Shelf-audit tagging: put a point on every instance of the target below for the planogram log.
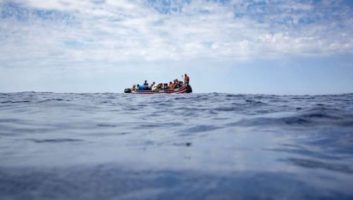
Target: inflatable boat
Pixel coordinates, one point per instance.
(183, 89)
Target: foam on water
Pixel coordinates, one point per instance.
(185, 146)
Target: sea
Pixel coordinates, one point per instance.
(175, 146)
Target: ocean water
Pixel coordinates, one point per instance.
(183, 146)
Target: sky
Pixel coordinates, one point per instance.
(231, 46)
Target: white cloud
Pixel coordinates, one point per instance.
(59, 31)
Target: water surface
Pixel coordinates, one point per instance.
(183, 146)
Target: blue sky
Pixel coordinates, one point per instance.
(234, 46)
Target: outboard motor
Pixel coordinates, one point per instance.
(127, 90)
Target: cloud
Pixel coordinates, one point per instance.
(62, 31)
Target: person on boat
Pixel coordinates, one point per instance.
(155, 87)
(145, 85)
(152, 85)
(133, 87)
(170, 86)
(140, 87)
(159, 86)
(174, 85)
(186, 79)
(180, 84)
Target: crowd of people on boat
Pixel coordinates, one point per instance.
(172, 85)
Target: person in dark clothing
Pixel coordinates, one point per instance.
(145, 85)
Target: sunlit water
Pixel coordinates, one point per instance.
(185, 146)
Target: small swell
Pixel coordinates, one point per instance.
(200, 128)
(296, 121)
(4, 102)
(320, 165)
(320, 116)
(106, 125)
(312, 117)
(157, 125)
(56, 140)
(254, 102)
(262, 121)
(52, 100)
(10, 120)
(306, 152)
(226, 109)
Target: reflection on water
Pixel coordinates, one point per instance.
(194, 146)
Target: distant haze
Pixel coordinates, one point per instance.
(233, 46)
